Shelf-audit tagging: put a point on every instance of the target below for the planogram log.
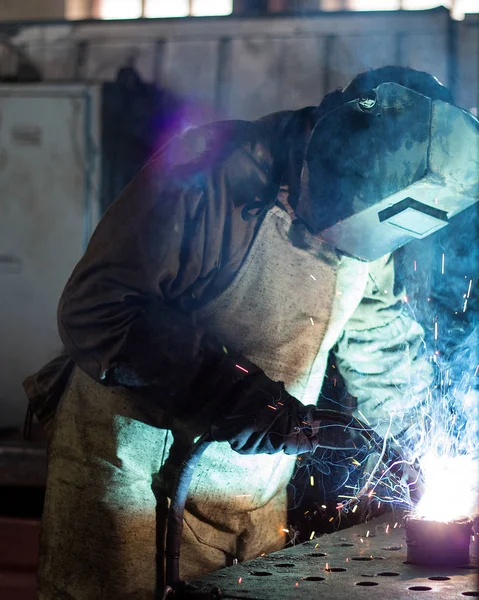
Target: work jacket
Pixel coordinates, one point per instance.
(174, 241)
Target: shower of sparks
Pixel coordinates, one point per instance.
(437, 476)
(441, 456)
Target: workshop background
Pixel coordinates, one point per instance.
(90, 88)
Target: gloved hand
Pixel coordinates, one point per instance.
(260, 417)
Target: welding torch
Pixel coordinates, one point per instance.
(180, 492)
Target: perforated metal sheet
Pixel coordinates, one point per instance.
(365, 561)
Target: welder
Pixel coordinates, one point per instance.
(208, 300)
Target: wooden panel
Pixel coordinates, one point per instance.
(468, 61)
(105, 58)
(350, 55)
(428, 52)
(302, 74)
(13, 10)
(18, 558)
(57, 61)
(190, 68)
(255, 77)
(18, 543)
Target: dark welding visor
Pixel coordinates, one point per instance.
(387, 168)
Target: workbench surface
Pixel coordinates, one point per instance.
(365, 561)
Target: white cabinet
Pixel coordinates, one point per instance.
(49, 188)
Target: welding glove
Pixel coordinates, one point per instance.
(260, 417)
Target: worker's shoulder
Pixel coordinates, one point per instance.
(214, 144)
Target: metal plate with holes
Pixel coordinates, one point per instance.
(366, 561)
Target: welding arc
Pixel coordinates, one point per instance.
(190, 461)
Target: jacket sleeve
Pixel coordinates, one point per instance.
(379, 355)
(125, 314)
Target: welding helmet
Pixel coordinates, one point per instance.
(390, 159)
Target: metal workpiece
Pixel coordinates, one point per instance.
(436, 543)
(365, 561)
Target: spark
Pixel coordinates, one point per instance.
(367, 533)
(323, 506)
(240, 580)
(311, 319)
(415, 266)
(435, 330)
(355, 508)
(363, 417)
(311, 480)
(313, 277)
(442, 267)
(285, 530)
(361, 540)
(241, 368)
(272, 407)
(313, 533)
(469, 288)
(387, 528)
(465, 305)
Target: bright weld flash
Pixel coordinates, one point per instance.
(443, 475)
